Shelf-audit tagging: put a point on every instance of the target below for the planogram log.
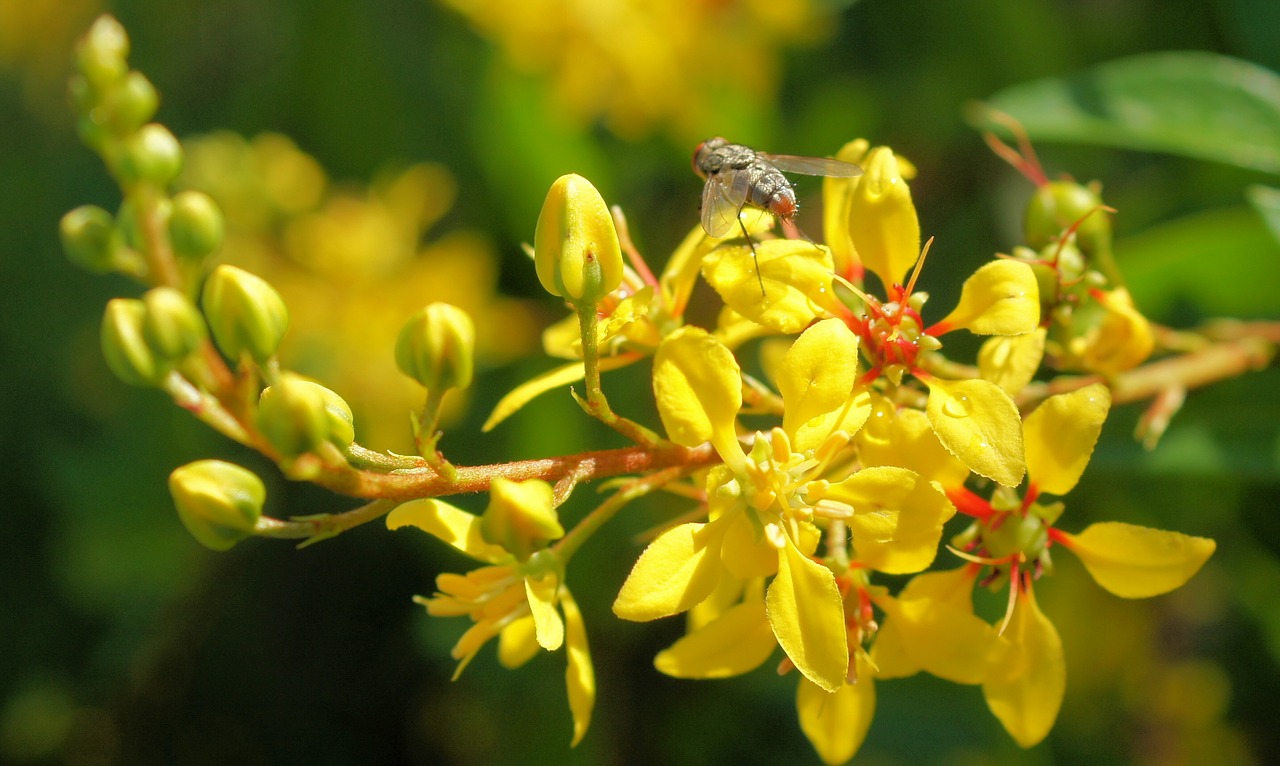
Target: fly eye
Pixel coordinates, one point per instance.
(697, 153)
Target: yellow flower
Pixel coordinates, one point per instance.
(525, 603)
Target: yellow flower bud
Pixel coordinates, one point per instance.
(125, 348)
(172, 326)
(520, 516)
(102, 54)
(131, 103)
(576, 249)
(152, 154)
(883, 224)
(195, 224)
(219, 503)
(86, 237)
(245, 313)
(436, 347)
(297, 416)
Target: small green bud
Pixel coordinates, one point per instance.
(246, 315)
(86, 237)
(1057, 205)
(219, 503)
(195, 225)
(172, 326)
(102, 54)
(436, 347)
(297, 416)
(521, 517)
(124, 346)
(132, 102)
(576, 251)
(152, 154)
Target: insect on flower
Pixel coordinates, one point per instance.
(737, 175)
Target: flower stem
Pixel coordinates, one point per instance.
(595, 404)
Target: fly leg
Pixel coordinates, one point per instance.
(755, 258)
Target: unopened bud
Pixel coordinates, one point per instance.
(124, 346)
(1057, 205)
(297, 416)
(172, 326)
(521, 517)
(436, 347)
(219, 503)
(195, 225)
(86, 237)
(132, 103)
(152, 154)
(102, 54)
(576, 250)
(246, 315)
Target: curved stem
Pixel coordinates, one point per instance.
(313, 529)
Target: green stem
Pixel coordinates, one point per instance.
(566, 546)
(313, 529)
(596, 405)
(425, 435)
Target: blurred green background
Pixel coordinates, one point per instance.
(122, 641)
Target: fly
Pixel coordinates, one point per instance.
(737, 176)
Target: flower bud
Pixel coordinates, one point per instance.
(246, 315)
(219, 503)
(125, 348)
(172, 326)
(195, 225)
(86, 237)
(297, 416)
(152, 154)
(520, 516)
(1057, 205)
(436, 347)
(102, 54)
(132, 103)
(576, 251)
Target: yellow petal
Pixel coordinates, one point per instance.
(1001, 298)
(547, 381)
(837, 193)
(897, 517)
(541, 592)
(678, 569)
(978, 423)
(796, 276)
(517, 643)
(745, 552)
(1025, 688)
(1060, 436)
(681, 272)
(882, 219)
(698, 387)
(942, 638)
(452, 525)
(580, 675)
(736, 642)
(1010, 361)
(904, 438)
(807, 616)
(1122, 341)
(1138, 562)
(818, 373)
(837, 723)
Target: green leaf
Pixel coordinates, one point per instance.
(1190, 103)
(1266, 200)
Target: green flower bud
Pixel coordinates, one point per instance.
(520, 517)
(576, 251)
(152, 154)
(195, 225)
(1059, 204)
(436, 347)
(297, 416)
(124, 346)
(219, 503)
(246, 315)
(172, 326)
(132, 103)
(86, 233)
(102, 54)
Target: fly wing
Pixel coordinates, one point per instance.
(721, 202)
(812, 166)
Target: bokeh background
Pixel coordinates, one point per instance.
(375, 156)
